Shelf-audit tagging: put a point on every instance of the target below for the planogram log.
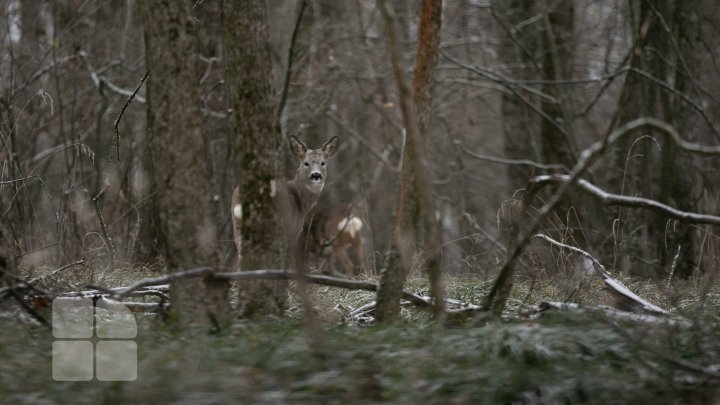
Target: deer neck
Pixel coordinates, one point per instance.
(303, 195)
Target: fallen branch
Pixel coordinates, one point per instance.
(609, 312)
(53, 273)
(124, 292)
(315, 279)
(629, 201)
(157, 290)
(625, 298)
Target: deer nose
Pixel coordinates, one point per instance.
(315, 176)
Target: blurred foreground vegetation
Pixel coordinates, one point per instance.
(559, 357)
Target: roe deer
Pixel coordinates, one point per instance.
(299, 195)
(331, 231)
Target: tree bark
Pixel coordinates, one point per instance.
(678, 172)
(257, 141)
(667, 38)
(7, 240)
(556, 145)
(180, 177)
(518, 122)
(415, 200)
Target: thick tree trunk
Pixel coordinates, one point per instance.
(182, 198)
(257, 142)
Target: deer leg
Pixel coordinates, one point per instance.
(359, 248)
(341, 254)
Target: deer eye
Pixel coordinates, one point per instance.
(323, 163)
(307, 164)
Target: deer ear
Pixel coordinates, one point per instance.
(331, 146)
(297, 147)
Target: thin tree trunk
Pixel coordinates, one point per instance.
(415, 202)
(679, 174)
(7, 240)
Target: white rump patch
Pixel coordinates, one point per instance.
(237, 211)
(273, 188)
(352, 226)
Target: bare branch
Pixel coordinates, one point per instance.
(96, 78)
(122, 112)
(519, 162)
(629, 201)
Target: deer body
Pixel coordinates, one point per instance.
(297, 196)
(332, 231)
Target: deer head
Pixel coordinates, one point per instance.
(312, 170)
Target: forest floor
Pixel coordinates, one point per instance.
(566, 356)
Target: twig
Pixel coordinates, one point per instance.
(122, 112)
(675, 262)
(80, 262)
(518, 162)
(35, 176)
(363, 142)
(103, 227)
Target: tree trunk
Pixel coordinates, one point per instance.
(517, 47)
(556, 145)
(415, 202)
(257, 141)
(182, 198)
(653, 244)
(7, 240)
(678, 173)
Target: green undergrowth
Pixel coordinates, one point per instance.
(559, 358)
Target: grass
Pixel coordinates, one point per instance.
(557, 358)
